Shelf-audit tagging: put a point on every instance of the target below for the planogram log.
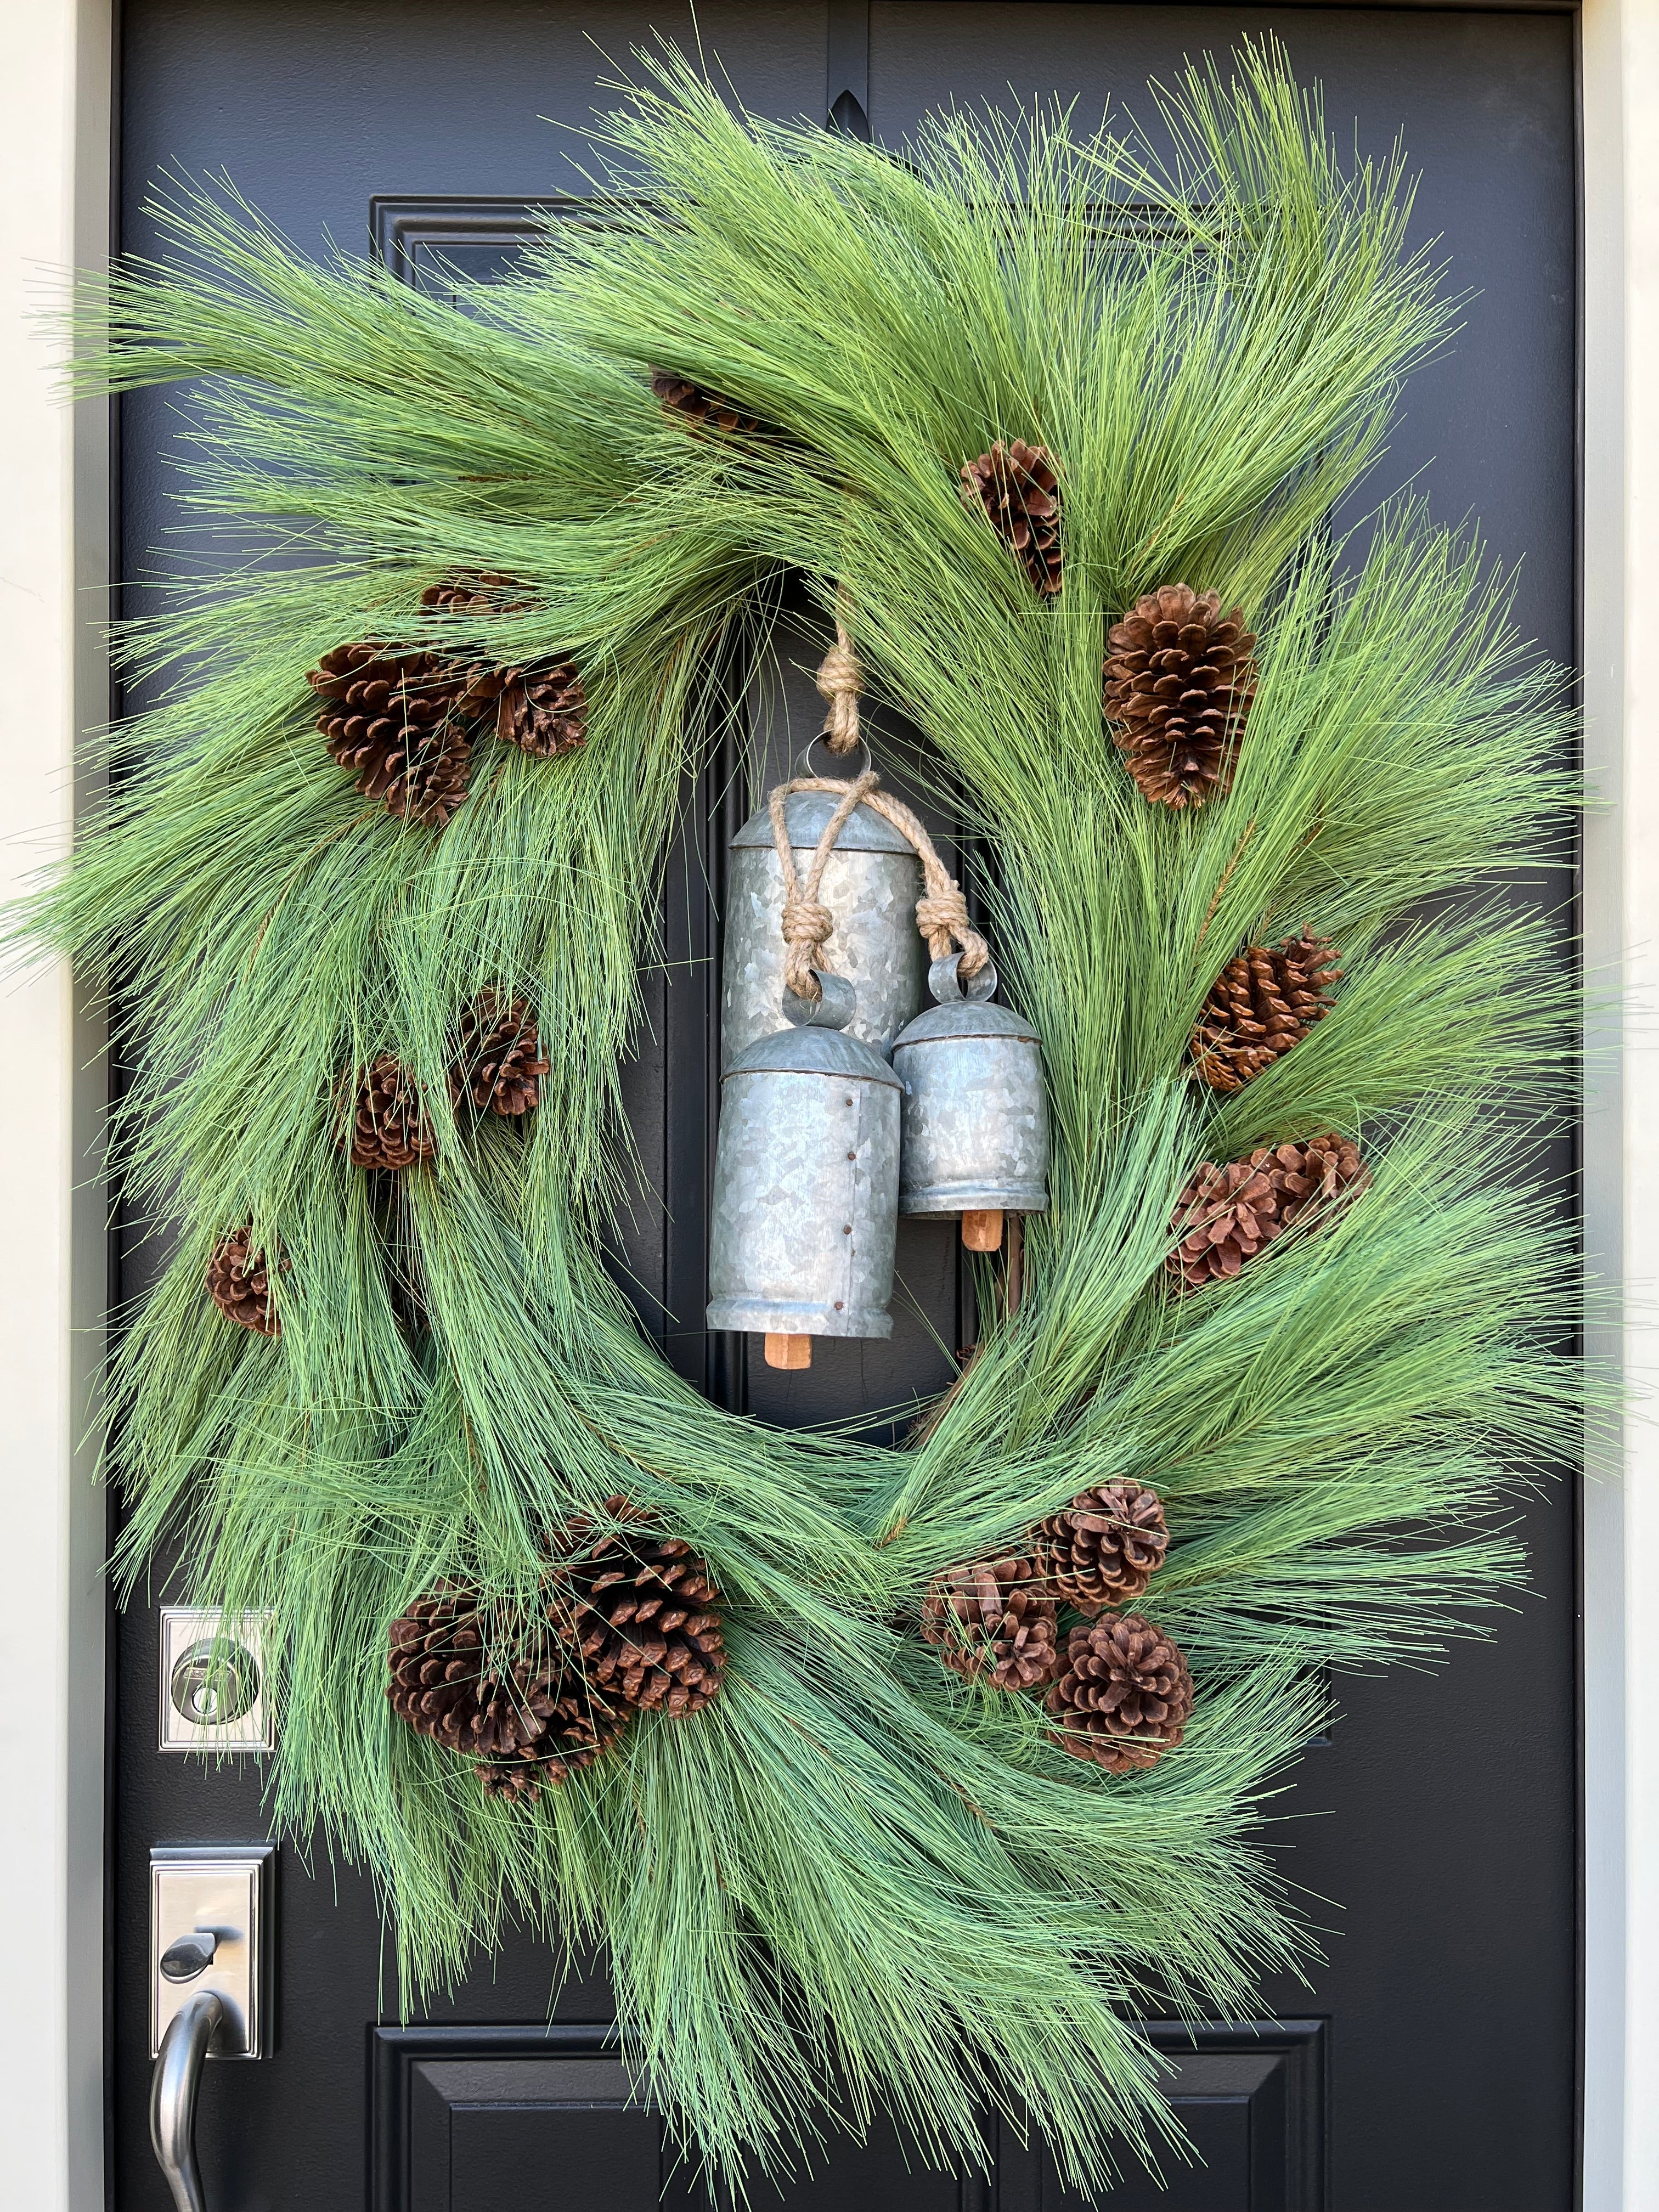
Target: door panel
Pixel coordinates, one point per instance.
(1430, 2065)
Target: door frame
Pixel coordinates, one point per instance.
(58, 119)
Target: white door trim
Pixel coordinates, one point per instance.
(54, 138)
(1620, 76)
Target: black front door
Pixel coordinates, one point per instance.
(1430, 2065)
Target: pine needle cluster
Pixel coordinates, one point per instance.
(849, 1868)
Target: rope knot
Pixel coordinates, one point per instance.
(806, 927)
(840, 680)
(942, 916)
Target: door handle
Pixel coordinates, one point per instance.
(210, 1985)
(173, 2089)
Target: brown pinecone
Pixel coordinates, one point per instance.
(992, 1623)
(643, 1613)
(1017, 487)
(499, 1687)
(239, 1283)
(389, 718)
(1125, 1695)
(700, 410)
(1104, 1547)
(1179, 681)
(1263, 1002)
(389, 1125)
(543, 711)
(499, 1059)
(1226, 1215)
(482, 594)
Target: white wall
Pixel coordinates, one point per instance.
(54, 553)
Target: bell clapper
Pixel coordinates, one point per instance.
(788, 1351)
(981, 1228)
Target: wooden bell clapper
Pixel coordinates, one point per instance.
(788, 1351)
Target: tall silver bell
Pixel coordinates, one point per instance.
(976, 1121)
(805, 1183)
(871, 884)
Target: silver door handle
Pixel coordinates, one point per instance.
(173, 2096)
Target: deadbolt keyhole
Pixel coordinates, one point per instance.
(214, 1684)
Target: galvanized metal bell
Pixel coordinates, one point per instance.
(975, 1119)
(871, 884)
(806, 1176)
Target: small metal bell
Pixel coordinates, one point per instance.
(975, 1119)
(871, 885)
(806, 1176)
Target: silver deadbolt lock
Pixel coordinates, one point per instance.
(214, 1684)
(214, 1693)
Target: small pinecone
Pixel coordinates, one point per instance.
(389, 1126)
(1125, 1695)
(499, 1060)
(484, 593)
(543, 711)
(500, 1690)
(644, 1615)
(700, 410)
(1179, 681)
(1225, 1215)
(1104, 1547)
(388, 718)
(1017, 486)
(992, 1624)
(1263, 1002)
(239, 1283)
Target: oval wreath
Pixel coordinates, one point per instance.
(1059, 424)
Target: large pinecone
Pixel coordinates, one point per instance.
(389, 1123)
(992, 1623)
(700, 410)
(1125, 1695)
(1017, 487)
(239, 1283)
(501, 1687)
(389, 718)
(499, 1061)
(1263, 1002)
(1104, 1547)
(1179, 681)
(642, 1610)
(1226, 1215)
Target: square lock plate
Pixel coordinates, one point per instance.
(213, 1681)
(222, 1891)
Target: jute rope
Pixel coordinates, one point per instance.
(941, 911)
(839, 680)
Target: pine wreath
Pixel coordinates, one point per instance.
(772, 1864)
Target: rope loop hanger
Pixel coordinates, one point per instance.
(941, 911)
